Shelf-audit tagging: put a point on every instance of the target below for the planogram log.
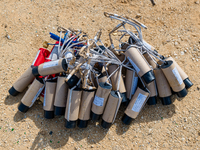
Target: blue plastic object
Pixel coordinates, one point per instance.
(57, 38)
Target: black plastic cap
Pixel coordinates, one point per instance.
(35, 71)
(59, 111)
(105, 124)
(23, 108)
(64, 64)
(166, 100)
(48, 114)
(187, 83)
(94, 117)
(126, 119)
(148, 77)
(182, 93)
(13, 91)
(82, 123)
(152, 100)
(72, 81)
(70, 124)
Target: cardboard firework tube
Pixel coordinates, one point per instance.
(74, 108)
(153, 93)
(135, 106)
(73, 80)
(31, 95)
(85, 108)
(131, 82)
(51, 67)
(102, 77)
(183, 75)
(114, 79)
(110, 109)
(22, 82)
(149, 60)
(176, 82)
(100, 100)
(140, 64)
(27, 77)
(49, 97)
(60, 96)
(164, 90)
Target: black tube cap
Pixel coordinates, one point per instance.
(94, 117)
(64, 64)
(187, 83)
(48, 114)
(13, 91)
(148, 77)
(59, 111)
(152, 100)
(70, 124)
(82, 123)
(35, 71)
(72, 81)
(126, 119)
(105, 124)
(182, 93)
(166, 100)
(23, 108)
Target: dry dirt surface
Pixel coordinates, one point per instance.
(173, 28)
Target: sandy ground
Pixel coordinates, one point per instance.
(173, 28)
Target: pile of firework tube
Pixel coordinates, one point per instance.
(84, 80)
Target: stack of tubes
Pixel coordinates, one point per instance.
(84, 80)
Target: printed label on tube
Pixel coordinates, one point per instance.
(177, 75)
(50, 64)
(134, 65)
(98, 101)
(135, 82)
(139, 102)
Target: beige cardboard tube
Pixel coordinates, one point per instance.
(102, 78)
(100, 99)
(32, 93)
(75, 105)
(149, 60)
(49, 96)
(86, 103)
(24, 80)
(115, 77)
(137, 60)
(52, 67)
(61, 92)
(111, 107)
(180, 70)
(173, 76)
(162, 83)
(137, 102)
(152, 88)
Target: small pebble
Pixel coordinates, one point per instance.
(138, 15)
(182, 53)
(51, 132)
(176, 43)
(8, 36)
